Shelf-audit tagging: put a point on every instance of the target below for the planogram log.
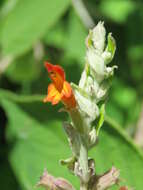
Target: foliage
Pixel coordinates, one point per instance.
(31, 136)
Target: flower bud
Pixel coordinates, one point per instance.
(87, 105)
(96, 37)
(95, 79)
(109, 52)
(96, 62)
(47, 181)
(106, 180)
(50, 182)
(63, 184)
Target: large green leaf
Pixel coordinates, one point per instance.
(119, 10)
(68, 34)
(35, 143)
(28, 22)
(116, 148)
(24, 64)
(35, 147)
(74, 39)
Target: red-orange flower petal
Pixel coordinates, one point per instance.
(53, 95)
(55, 68)
(56, 99)
(60, 89)
(69, 102)
(66, 91)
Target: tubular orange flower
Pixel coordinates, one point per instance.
(59, 89)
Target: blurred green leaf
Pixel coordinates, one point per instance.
(124, 104)
(115, 148)
(124, 96)
(23, 69)
(135, 56)
(19, 98)
(133, 29)
(76, 38)
(128, 97)
(28, 21)
(118, 10)
(133, 114)
(114, 112)
(7, 7)
(68, 34)
(35, 148)
(57, 36)
(101, 119)
(135, 52)
(134, 43)
(111, 47)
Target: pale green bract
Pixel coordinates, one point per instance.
(95, 79)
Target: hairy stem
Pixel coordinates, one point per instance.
(83, 161)
(84, 186)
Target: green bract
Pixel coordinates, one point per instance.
(96, 76)
(88, 116)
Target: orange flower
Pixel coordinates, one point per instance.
(59, 89)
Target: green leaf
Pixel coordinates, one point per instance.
(68, 34)
(101, 119)
(76, 38)
(128, 97)
(20, 98)
(35, 147)
(57, 36)
(34, 142)
(114, 112)
(28, 21)
(111, 47)
(118, 10)
(116, 148)
(23, 69)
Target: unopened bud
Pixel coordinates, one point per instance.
(108, 179)
(47, 181)
(50, 182)
(63, 184)
(96, 37)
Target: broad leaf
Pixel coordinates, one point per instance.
(35, 147)
(118, 11)
(38, 145)
(28, 21)
(65, 34)
(23, 69)
(116, 148)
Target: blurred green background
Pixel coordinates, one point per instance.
(31, 134)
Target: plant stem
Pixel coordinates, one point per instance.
(83, 187)
(82, 149)
(83, 161)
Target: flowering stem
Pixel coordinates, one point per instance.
(83, 161)
(85, 105)
(84, 186)
(77, 120)
(79, 124)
